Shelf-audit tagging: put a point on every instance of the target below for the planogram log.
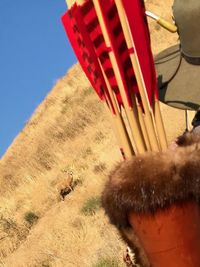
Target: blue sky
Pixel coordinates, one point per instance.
(34, 53)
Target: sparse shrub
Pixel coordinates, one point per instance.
(87, 152)
(66, 104)
(99, 137)
(12, 229)
(91, 206)
(45, 264)
(107, 262)
(87, 91)
(66, 99)
(99, 168)
(30, 217)
(7, 224)
(77, 182)
(9, 181)
(76, 126)
(64, 110)
(44, 156)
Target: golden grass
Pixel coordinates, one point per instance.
(52, 144)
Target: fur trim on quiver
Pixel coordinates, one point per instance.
(152, 181)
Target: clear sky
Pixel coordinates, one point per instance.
(34, 53)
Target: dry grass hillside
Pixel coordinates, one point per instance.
(70, 132)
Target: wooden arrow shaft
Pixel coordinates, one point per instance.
(154, 126)
(133, 121)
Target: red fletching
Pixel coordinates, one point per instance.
(83, 48)
(96, 36)
(135, 12)
(85, 34)
(119, 48)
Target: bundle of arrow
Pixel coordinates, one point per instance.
(111, 41)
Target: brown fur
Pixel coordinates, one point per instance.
(152, 181)
(188, 138)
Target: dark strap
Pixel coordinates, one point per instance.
(164, 84)
(192, 60)
(196, 119)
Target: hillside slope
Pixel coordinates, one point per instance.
(69, 132)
